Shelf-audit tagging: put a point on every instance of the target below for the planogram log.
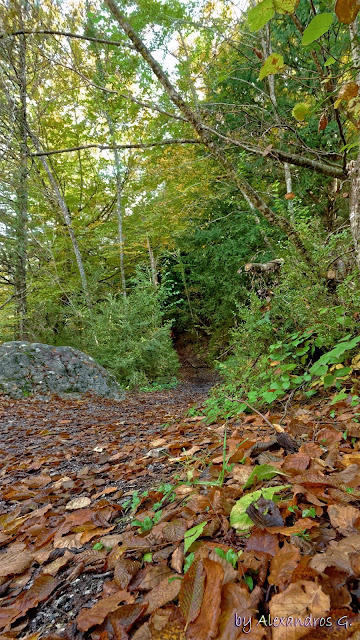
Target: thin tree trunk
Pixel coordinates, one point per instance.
(118, 200)
(266, 46)
(22, 196)
(354, 167)
(66, 216)
(152, 263)
(244, 187)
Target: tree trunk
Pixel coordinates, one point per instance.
(118, 200)
(20, 276)
(152, 263)
(67, 219)
(266, 46)
(244, 187)
(354, 206)
(354, 167)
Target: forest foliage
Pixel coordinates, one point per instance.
(131, 203)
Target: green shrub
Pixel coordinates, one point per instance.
(129, 339)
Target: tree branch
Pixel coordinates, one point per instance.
(273, 217)
(102, 147)
(67, 34)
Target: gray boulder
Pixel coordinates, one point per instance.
(31, 367)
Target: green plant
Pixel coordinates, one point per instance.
(230, 556)
(188, 561)
(193, 534)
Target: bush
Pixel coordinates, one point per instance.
(278, 338)
(129, 338)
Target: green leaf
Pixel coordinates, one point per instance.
(238, 516)
(328, 381)
(261, 14)
(318, 369)
(193, 534)
(262, 472)
(188, 561)
(339, 396)
(285, 6)
(231, 557)
(98, 546)
(273, 64)
(147, 557)
(329, 61)
(301, 111)
(220, 552)
(249, 581)
(319, 25)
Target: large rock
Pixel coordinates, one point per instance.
(31, 367)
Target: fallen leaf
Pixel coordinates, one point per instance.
(78, 503)
(206, 623)
(42, 587)
(343, 517)
(15, 560)
(192, 591)
(282, 565)
(96, 615)
(163, 593)
(300, 600)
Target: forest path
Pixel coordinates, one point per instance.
(79, 478)
(64, 435)
(99, 451)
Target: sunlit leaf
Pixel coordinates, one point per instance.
(273, 64)
(319, 25)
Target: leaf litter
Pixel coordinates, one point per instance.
(140, 520)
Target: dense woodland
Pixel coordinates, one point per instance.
(184, 166)
(179, 185)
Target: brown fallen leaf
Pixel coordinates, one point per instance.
(96, 615)
(238, 613)
(177, 559)
(230, 573)
(263, 541)
(265, 513)
(163, 593)
(343, 517)
(78, 503)
(150, 577)
(205, 625)
(42, 587)
(124, 571)
(118, 623)
(16, 559)
(300, 525)
(282, 566)
(166, 624)
(337, 554)
(53, 567)
(192, 591)
(301, 600)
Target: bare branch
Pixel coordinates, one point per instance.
(67, 34)
(102, 147)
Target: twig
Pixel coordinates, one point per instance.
(291, 394)
(252, 409)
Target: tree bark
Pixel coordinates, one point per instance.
(354, 167)
(152, 263)
(22, 199)
(354, 206)
(66, 217)
(117, 162)
(244, 187)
